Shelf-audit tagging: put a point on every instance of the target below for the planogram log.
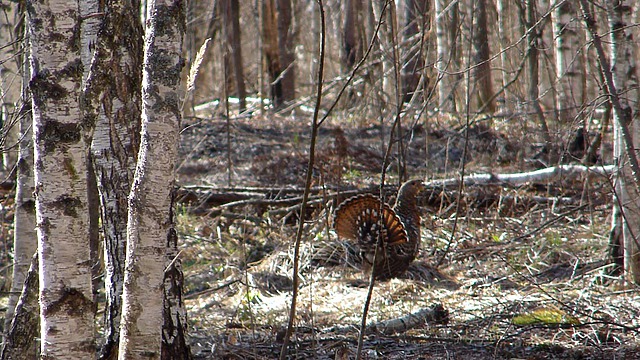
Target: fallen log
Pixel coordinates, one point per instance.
(488, 190)
(435, 314)
(517, 179)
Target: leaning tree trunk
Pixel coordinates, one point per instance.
(89, 30)
(61, 143)
(150, 226)
(20, 342)
(112, 101)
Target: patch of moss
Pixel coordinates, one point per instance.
(545, 316)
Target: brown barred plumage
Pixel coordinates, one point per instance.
(358, 219)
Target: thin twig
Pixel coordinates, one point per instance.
(367, 303)
(309, 178)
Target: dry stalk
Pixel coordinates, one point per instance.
(193, 72)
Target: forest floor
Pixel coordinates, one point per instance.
(516, 272)
(523, 276)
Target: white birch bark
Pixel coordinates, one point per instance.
(444, 61)
(502, 9)
(24, 221)
(625, 78)
(10, 80)
(150, 216)
(568, 57)
(89, 11)
(60, 156)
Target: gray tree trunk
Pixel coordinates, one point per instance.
(175, 345)
(285, 48)
(570, 92)
(481, 58)
(233, 52)
(277, 47)
(112, 101)
(533, 39)
(502, 8)
(10, 79)
(445, 55)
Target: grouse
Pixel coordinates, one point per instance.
(358, 219)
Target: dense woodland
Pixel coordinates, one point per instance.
(181, 180)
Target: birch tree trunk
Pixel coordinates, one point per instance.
(89, 32)
(175, 345)
(24, 235)
(502, 8)
(21, 340)
(625, 78)
(444, 61)
(60, 156)
(10, 79)
(24, 222)
(150, 223)
(112, 101)
(533, 39)
(569, 65)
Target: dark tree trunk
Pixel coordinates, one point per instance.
(277, 47)
(285, 49)
(352, 46)
(233, 50)
(533, 39)
(112, 102)
(482, 53)
(21, 339)
(270, 48)
(175, 345)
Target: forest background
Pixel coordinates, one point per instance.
(540, 263)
